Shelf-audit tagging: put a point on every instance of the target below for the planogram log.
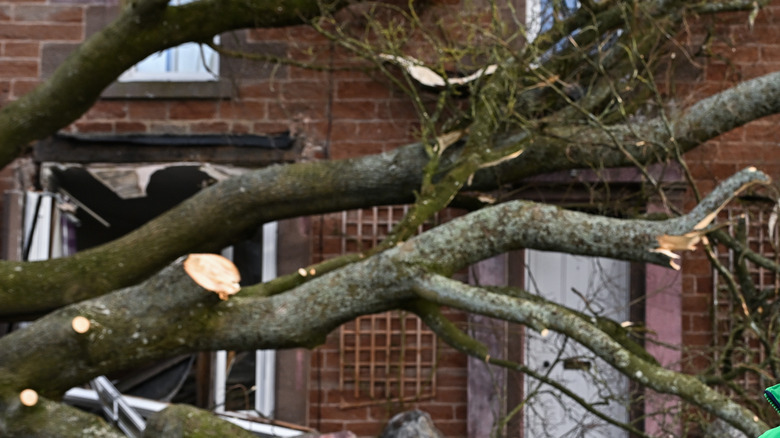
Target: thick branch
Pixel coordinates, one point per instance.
(169, 314)
(183, 421)
(217, 216)
(48, 418)
(648, 141)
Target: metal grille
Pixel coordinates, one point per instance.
(389, 356)
(725, 305)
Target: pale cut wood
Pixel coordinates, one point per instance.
(213, 273)
(80, 324)
(28, 397)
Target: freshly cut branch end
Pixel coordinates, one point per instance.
(28, 397)
(80, 324)
(213, 273)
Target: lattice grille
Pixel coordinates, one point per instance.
(748, 349)
(363, 229)
(389, 356)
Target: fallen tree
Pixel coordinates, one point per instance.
(515, 129)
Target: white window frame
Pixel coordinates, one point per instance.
(265, 360)
(209, 58)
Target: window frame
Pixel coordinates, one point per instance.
(209, 58)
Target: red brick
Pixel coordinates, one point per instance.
(128, 127)
(108, 110)
(40, 32)
(243, 110)
(268, 34)
(5, 92)
(366, 109)
(364, 428)
(696, 303)
(156, 110)
(698, 323)
(760, 69)
(344, 131)
(721, 72)
(451, 379)
(451, 393)
(346, 149)
(270, 127)
(326, 426)
(278, 110)
(49, 13)
(701, 340)
(169, 128)
(440, 412)
(259, 89)
(397, 109)
(304, 90)
(22, 49)
(382, 130)
(362, 90)
(20, 87)
(451, 429)
(348, 414)
(242, 128)
(770, 52)
(191, 110)
(210, 127)
(94, 127)
(18, 69)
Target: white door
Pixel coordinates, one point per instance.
(593, 286)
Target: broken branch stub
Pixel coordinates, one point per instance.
(213, 273)
(28, 397)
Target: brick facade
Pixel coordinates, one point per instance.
(738, 51)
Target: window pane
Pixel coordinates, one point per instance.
(192, 58)
(187, 62)
(154, 64)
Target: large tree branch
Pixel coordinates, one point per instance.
(47, 418)
(568, 146)
(221, 214)
(169, 314)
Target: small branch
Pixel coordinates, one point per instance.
(456, 338)
(538, 316)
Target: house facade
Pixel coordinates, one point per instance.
(168, 128)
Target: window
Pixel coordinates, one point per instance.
(539, 14)
(190, 62)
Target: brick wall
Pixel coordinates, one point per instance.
(341, 113)
(736, 53)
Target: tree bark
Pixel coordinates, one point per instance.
(170, 314)
(47, 418)
(183, 421)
